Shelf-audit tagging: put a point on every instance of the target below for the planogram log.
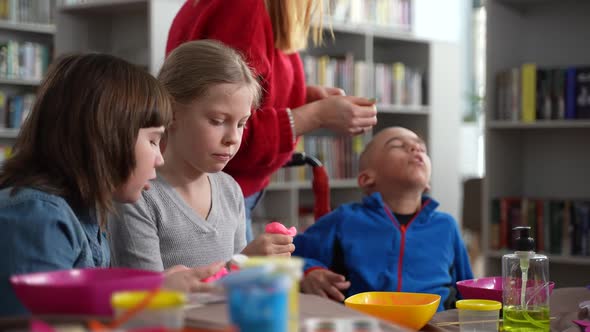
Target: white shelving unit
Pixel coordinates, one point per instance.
(540, 124)
(8, 133)
(135, 30)
(14, 30)
(546, 159)
(19, 82)
(433, 120)
(40, 28)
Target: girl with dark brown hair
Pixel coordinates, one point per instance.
(91, 139)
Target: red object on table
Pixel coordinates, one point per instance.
(220, 274)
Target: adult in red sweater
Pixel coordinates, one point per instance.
(269, 33)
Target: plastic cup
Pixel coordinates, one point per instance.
(165, 310)
(479, 315)
(292, 267)
(257, 300)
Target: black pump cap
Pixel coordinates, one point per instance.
(524, 242)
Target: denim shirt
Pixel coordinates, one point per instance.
(41, 232)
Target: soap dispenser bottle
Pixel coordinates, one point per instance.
(525, 277)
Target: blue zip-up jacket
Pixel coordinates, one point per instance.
(41, 232)
(365, 243)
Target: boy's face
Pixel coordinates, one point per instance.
(399, 157)
(208, 132)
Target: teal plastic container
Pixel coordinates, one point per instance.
(258, 300)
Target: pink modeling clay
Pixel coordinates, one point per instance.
(220, 274)
(41, 326)
(278, 228)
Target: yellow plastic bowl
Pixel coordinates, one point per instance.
(412, 310)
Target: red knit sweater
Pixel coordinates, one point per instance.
(245, 25)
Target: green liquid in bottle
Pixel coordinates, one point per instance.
(534, 319)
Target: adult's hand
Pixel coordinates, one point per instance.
(343, 114)
(316, 92)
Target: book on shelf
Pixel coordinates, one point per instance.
(580, 85)
(528, 98)
(394, 83)
(530, 93)
(396, 14)
(560, 227)
(14, 109)
(343, 72)
(26, 11)
(398, 84)
(23, 60)
(5, 152)
(338, 154)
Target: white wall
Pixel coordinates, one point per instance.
(445, 124)
(161, 12)
(440, 19)
(446, 22)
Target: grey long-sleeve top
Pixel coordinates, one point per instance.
(161, 230)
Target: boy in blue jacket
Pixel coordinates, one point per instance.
(394, 240)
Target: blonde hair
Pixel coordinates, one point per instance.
(195, 66)
(291, 23)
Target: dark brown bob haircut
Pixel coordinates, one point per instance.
(79, 140)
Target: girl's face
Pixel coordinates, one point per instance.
(147, 158)
(207, 133)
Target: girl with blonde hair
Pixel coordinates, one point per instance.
(269, 33)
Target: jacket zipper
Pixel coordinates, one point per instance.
(402, 229)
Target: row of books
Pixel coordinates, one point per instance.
(345, 73)
(23, 60)
(27, 11)
(560, 227)
(531, 93)
(392, 13)
(338, 154)
(398, 84)
(394, 83)
(14, 109)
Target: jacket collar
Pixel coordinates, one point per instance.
(429, 205)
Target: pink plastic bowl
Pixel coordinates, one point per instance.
(489, 288)
(79, 292)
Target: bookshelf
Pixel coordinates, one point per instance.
(291, 200)
(543, 159)
(26, 44)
